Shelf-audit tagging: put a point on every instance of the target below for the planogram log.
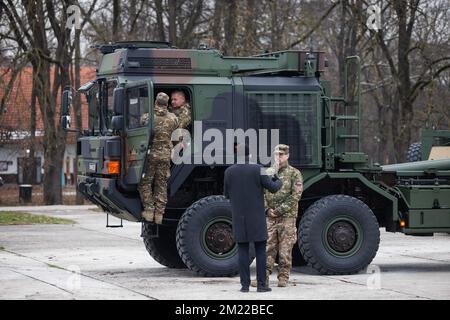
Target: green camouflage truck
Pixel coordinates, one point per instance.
(346, 198)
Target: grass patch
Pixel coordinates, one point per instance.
(2, 248)
(8, 218)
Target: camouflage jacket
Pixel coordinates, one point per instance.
(164, 123)
(184, 115)
(285, 201)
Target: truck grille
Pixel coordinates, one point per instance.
(162, 63)
(295, 115)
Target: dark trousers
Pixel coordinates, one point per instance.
(244, 263)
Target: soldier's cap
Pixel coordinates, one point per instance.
(281, 149)
(162, 99)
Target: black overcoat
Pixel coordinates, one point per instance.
(244, 186)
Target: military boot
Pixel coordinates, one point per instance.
(148, 215)
(282, 282)
(158, 218)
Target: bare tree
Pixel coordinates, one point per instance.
(398, 57)
(32, 36)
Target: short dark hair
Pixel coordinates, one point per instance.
(180, 92)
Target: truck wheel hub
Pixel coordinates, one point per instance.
(219, 238)
(341, 236)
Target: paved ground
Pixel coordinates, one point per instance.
(89, 261)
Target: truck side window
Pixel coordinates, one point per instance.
(109, 108)
(92, 99)
(137, 105)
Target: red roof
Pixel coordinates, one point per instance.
(17, 115)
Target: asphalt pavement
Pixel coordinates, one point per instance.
(86, 260)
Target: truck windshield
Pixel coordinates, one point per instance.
(99, 98)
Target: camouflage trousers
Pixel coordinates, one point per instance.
(153, 186)
(282, 234)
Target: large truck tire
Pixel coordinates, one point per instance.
(205, 240)
(163, 248)
(414, 152)
(338, 234)
(297, 258)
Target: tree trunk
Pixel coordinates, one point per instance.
(250, 44)
(231, 28)
(159, 20)
(33, 123)
(173, 22)
(404, 81)
(131, 25)
(79, 199)
(29, 173)
(54, 136)
(274, 35)
(341, 46)
(217, 24)
(116, 20)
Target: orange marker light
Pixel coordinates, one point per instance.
(402, 224)
(113, 167)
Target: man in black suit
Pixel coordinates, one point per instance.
(244, 185)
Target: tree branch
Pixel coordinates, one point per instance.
(315, 27)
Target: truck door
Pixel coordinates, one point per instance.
(138, 124)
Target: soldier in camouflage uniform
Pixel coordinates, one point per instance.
(181, 109)
(157, 168)
(282, 210)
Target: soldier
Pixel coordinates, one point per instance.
(181, 109)
(281, 211)
(157, 169)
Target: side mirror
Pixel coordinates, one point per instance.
(118, 100)
(66, 102)
(65, 122)
(117, 123)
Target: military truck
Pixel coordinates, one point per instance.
(346, 198)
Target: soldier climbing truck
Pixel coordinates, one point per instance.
(346, 198)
